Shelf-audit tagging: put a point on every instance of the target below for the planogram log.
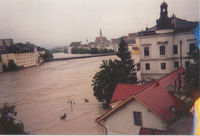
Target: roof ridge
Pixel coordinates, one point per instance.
(152, 83)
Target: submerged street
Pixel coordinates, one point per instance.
(41, 96)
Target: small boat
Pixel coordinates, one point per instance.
(86, 100)
(63, 116)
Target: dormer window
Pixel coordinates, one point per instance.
(172, 108)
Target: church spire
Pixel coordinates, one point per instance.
(100, 33)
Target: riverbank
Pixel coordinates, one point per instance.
(79, 56)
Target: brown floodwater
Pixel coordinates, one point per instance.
(41, 95)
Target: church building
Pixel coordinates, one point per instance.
(101, 40)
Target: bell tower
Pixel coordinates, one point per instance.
(163, 10)
(164, 22)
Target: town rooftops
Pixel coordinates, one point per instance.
(156, 96)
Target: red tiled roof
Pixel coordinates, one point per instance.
(153, 96)
(158, 99)
(150, 131)
(123, 91)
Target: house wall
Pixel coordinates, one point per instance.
(21, 59)
(122, 121)
(169, 58)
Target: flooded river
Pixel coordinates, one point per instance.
(41, 95)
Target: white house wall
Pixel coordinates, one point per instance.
(169, 58)
(122, 121)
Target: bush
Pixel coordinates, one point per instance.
(8, 124)
(12, 66)
(5, 69)
(48, 55)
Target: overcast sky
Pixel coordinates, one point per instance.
(51, 23)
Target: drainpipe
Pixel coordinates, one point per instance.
(181, 53)
(103, 127)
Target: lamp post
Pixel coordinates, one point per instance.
(71, 102)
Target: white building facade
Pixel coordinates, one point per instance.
(165, 47)
(124, 122)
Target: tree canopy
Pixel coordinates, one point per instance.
(113, 72)
(192, 74)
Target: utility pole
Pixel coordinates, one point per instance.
(71, 102)
(181, 53)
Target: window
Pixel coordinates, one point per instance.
(163, 65)
(137, 118)
(147, 66)
(172, 108)
(175, 49)
(162, 50)
(192, 48)
(187, 63)
(176, 64)
(146, 51)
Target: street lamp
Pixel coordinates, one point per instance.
(71, 102)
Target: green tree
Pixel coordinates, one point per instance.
(192, 74)
(5, 69)
(128, 70)
(12, 66)
(48, 55)
(66, 50)
(8, 125)
(113, 72)
(105, 80)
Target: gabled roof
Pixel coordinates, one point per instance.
(155, 97)
(123, 91)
